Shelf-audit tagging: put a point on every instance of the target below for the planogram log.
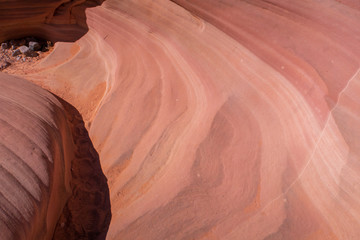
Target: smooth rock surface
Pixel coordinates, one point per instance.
(219, 119)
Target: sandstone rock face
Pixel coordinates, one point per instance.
(219, 119)
(54, 20)
(35, 150)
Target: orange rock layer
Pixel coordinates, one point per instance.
(220, 119)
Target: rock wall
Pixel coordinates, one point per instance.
(36, 151)
(220, 119)
(55, 20)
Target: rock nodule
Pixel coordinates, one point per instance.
(34, 46)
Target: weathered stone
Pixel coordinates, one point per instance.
(28, 52)
(4, 46)
(34, 46)
(23, 49)
(31, 53)
(16, 53)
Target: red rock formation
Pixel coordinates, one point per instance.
(220, 119)
(36, 150)
(56, 20)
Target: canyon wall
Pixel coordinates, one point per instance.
(36, 152)
(55, 20)
(220, 119)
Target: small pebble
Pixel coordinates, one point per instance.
(23, 49)
(31, 53)
(16, 53)
(4, 46)
(34, 46)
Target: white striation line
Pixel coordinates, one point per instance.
(316, 144)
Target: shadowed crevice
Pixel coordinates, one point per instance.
(87, 213)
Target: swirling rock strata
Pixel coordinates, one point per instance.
(36, 151)
(220, 119)
(56, 20)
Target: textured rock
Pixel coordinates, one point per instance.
(55, 20)
(24, 49)
(34, 46)
(219, 119)
(35, 160)
(4, 46)
(31, 53)
(17, 52)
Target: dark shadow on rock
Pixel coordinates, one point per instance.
(51, 20)
(87, 213)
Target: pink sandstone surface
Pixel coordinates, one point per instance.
(217, 119)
